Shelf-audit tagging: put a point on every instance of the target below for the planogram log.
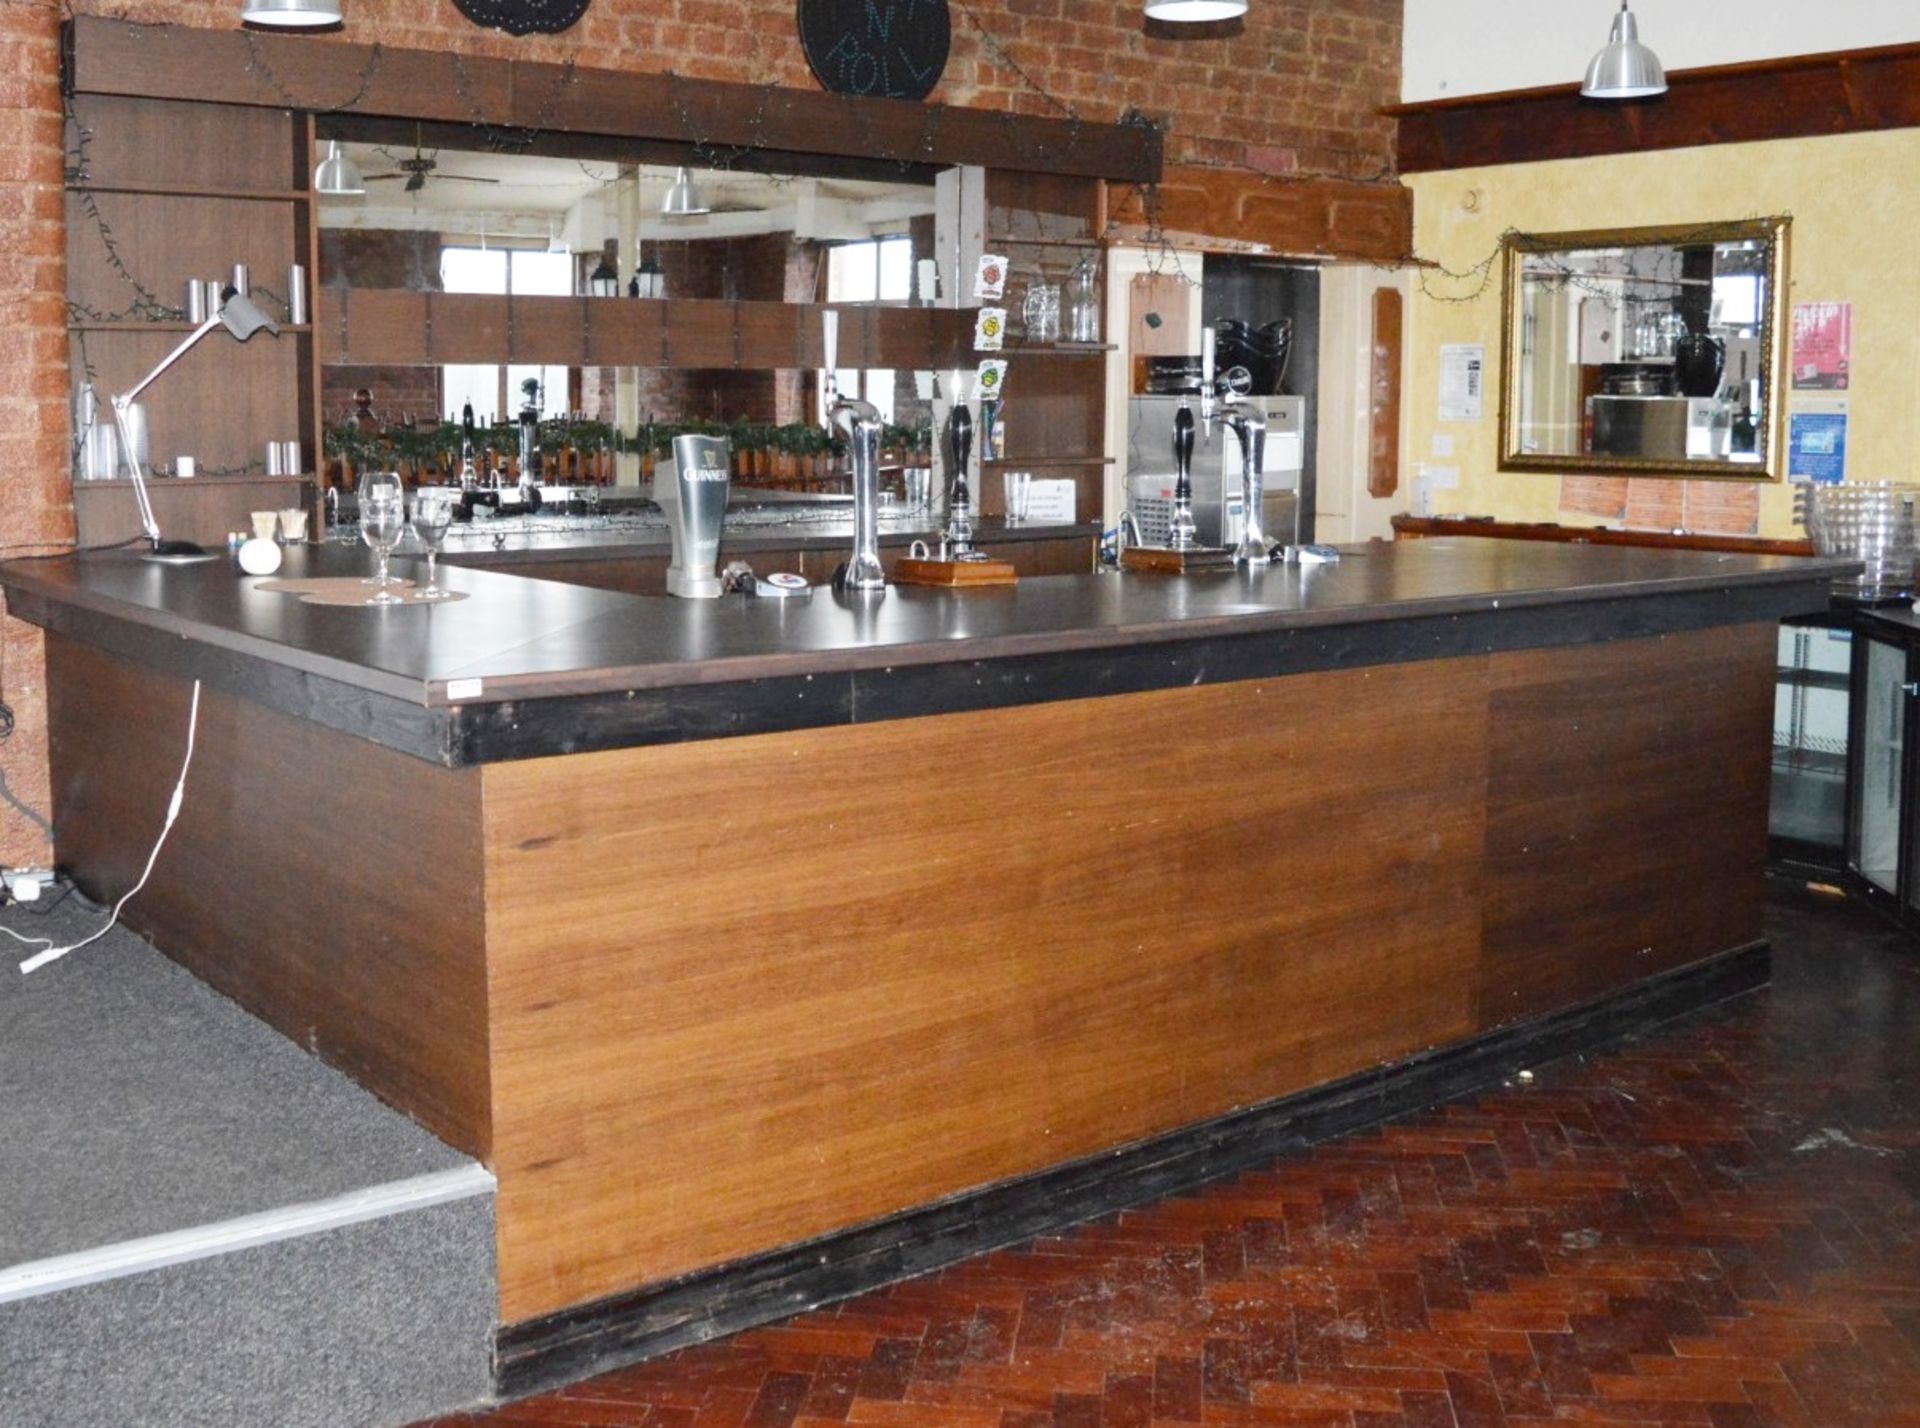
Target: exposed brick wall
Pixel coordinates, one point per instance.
(35, 494)
(1294, 92)
(399, 393)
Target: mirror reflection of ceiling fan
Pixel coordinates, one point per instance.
(416, 169)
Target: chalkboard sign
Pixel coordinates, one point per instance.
(523, 17)
(879, 49)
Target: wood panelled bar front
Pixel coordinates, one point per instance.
(767, 951)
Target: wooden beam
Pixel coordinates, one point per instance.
(517, 97)
(1315, 217)
(401, 326)
(1845, 92)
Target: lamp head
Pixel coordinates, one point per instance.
(291, 14)
(338, 176)
(683, 200)
(240, 317)
(1625, 69)
(1194, 12)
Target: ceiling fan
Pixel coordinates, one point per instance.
(416, 169)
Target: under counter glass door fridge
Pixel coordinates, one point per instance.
(1876, 822)
(1807, 821)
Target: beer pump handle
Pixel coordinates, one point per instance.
(1183, 453)
(830, 351)
(1206, 378)
(960, 446)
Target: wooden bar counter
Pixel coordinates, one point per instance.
(769, 950)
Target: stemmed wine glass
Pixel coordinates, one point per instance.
(383, 516)
(432, 514)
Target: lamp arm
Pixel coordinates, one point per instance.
(125, 400)
(167, 361)
(147, 522)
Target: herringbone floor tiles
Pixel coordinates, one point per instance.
(1718, 1224)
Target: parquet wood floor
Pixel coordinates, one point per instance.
(1716, 1224)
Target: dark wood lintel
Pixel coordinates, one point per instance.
(326, 75)
(1847, 91)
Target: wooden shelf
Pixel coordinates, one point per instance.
(172, 190)
(1023, 463)
(134, 325)
(1056, 349)
(157, 482)
(1000, 240)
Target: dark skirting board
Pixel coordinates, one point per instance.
(623, 1329)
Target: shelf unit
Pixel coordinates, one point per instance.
(1055, 416)
(186, 190)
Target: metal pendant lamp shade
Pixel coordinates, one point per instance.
(683, 200)
(1625, 69)
(337, 177)
(1194, 12)
(291, 14)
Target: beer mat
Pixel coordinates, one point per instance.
(351, 590)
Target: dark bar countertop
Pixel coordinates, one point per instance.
(527, 667)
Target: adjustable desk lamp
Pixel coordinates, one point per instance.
(240, 317)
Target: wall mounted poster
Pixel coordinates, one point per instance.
(1817, 446)
(1461, 366)
(1822, 345)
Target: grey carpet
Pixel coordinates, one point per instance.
(135, 1100)
(376, 1324)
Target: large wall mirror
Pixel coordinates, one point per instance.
(450, 221)
(1646, 352)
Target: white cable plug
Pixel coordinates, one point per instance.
(54, 954)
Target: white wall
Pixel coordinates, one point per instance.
(1455, 47)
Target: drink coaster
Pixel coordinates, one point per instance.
(351, 591)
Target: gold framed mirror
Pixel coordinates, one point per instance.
(1646, 351)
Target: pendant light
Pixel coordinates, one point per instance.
(1625, 69)
(291, 14)
(337, 176)
(683, 200)
(1194, 12)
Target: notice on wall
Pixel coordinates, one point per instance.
(1462, 375)
(1822, 345)
(1817, 443)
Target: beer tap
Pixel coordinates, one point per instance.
(860, 422)
(468, 478)
(1180, 531)
(1250, 426)
(958, 540)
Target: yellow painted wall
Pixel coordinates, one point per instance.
(1855, 203)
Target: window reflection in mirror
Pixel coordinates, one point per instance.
(1650, 352)
(456, 221)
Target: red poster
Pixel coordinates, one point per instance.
(1822, 344)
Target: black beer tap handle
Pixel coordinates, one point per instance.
(960, 445)
(1183, 454)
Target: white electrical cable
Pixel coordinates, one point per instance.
(54, 954)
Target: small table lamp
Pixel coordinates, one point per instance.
(240, 317)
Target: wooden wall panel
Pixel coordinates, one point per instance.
(269, 70)
(817, 978)
(328, 885)
(1627, 813)
(387, 325)
(1308, 217)
(1383, 396)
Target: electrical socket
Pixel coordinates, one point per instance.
(26, 884)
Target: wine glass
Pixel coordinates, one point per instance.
(432, 514)
(383, 517)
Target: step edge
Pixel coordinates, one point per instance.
(34, 1278)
